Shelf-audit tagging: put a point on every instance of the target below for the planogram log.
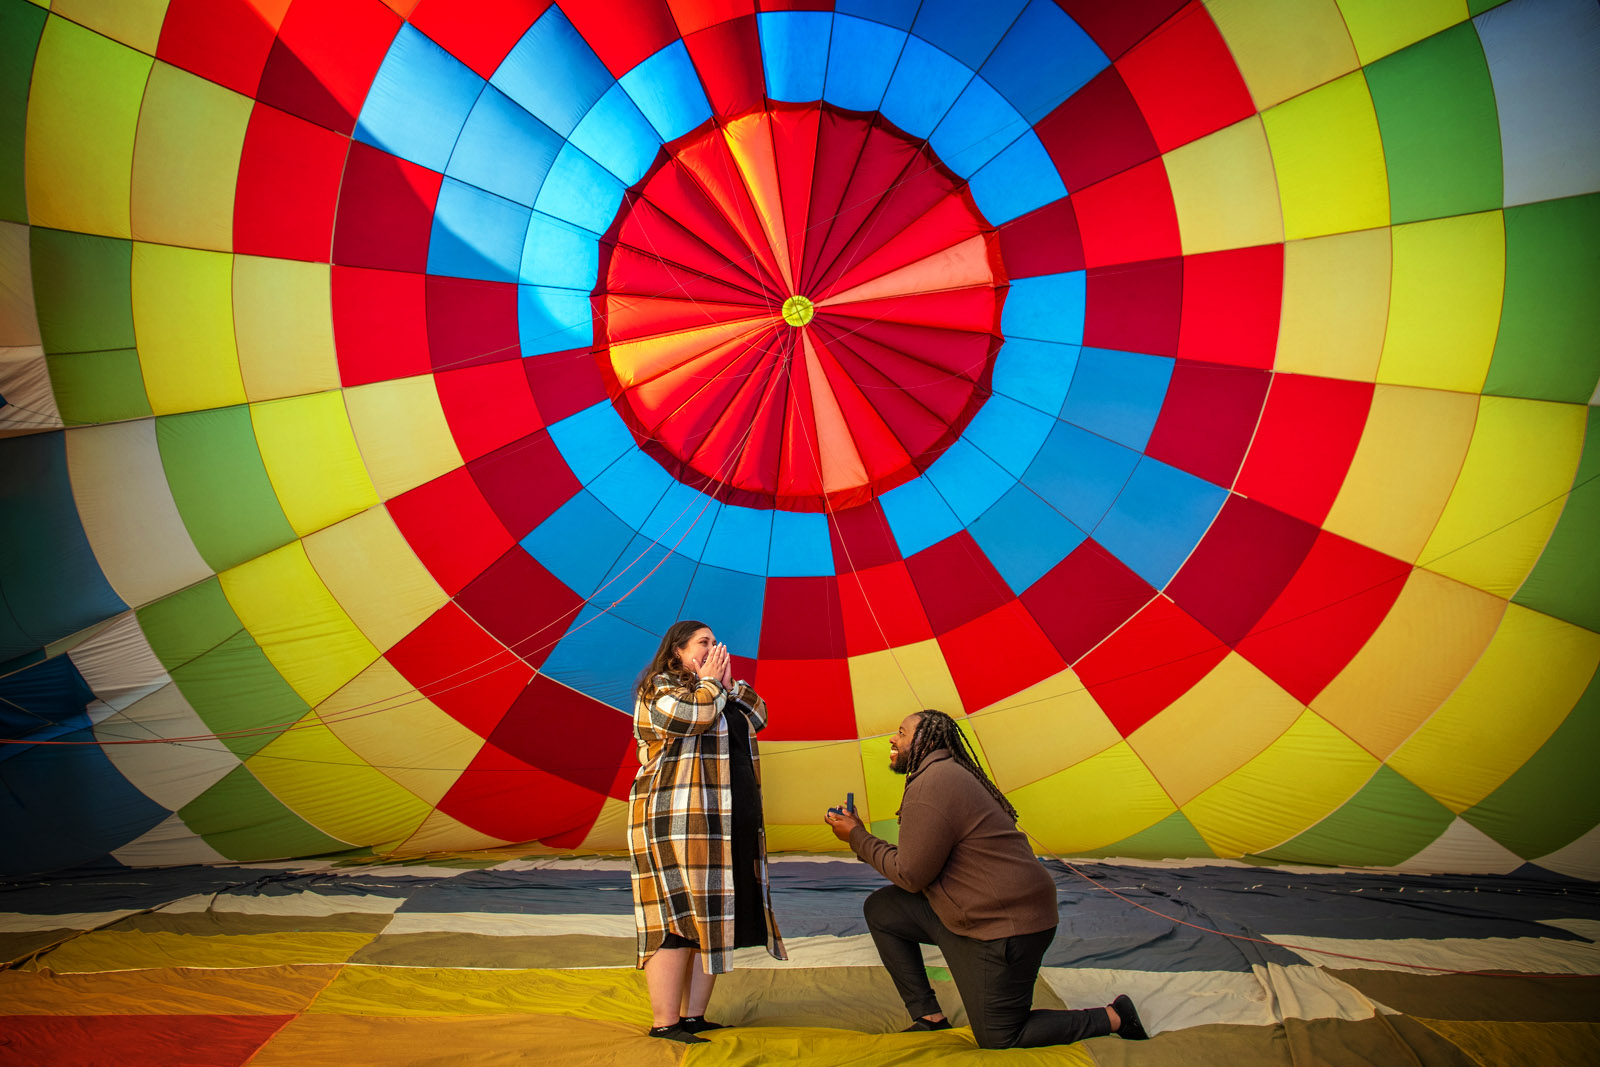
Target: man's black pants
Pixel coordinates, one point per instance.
(995, 978)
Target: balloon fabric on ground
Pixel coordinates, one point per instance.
(1197, 399)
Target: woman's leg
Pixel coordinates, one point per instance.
(667, 975)
(697, 991)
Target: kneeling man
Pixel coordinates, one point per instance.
(966, 880)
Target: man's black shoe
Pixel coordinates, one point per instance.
(926, 1024)
(1131, 1029)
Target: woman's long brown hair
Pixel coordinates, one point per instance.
(666, 660)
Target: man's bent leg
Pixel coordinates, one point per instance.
(899, 924)
(996, 980)
(1045, 1026)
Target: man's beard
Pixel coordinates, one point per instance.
(897, 762)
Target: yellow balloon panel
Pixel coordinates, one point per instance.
(1335, 305)
(1225, 191)
(401, 429)
(610, 830)
(884, 788)
(1294, 782)
(1229, 716)
(183, 319)
(1092, 804)
(1379, 27)
(186, 160)
(889, 685)
(1430, 639)
(283, 315)
(1404, 469)
(374, 575)
(136, 23)
(312, 459)
(384, 721)
(1510, 493)
(807, 838)
(1045, 727)
(83, 111)
(334, 789)
(304, 632)
(1444, 312)
(1329, 158)
(1519, 691)
(1284, 47)
(441, 833)
(801, 780)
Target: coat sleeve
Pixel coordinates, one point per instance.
(755, 707)
(927, 836)
(677, 711)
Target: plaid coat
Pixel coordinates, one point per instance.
(680, 810)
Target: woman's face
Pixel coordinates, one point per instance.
(693, 652)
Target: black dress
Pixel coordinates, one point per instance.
(749, 910)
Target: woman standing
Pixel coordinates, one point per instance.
(695, 834)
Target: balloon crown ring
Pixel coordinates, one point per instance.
(797, 311)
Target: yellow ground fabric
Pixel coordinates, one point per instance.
(485, 1041)
(607, 994)
(118, 950)
(814, 1045)
(276, 990)
(1494, 1043)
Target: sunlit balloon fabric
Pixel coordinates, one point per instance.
(1197, 396)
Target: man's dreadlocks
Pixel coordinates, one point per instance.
(936, 730)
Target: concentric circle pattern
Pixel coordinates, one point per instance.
(1207, 420)
(831, 223)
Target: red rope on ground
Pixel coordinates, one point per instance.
(1263, 941)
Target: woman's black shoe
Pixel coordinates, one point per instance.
(697, 1023)
(676, 1032)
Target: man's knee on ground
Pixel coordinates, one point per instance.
(992, 1037)
(879, 908)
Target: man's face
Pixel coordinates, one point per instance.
(900, 743)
